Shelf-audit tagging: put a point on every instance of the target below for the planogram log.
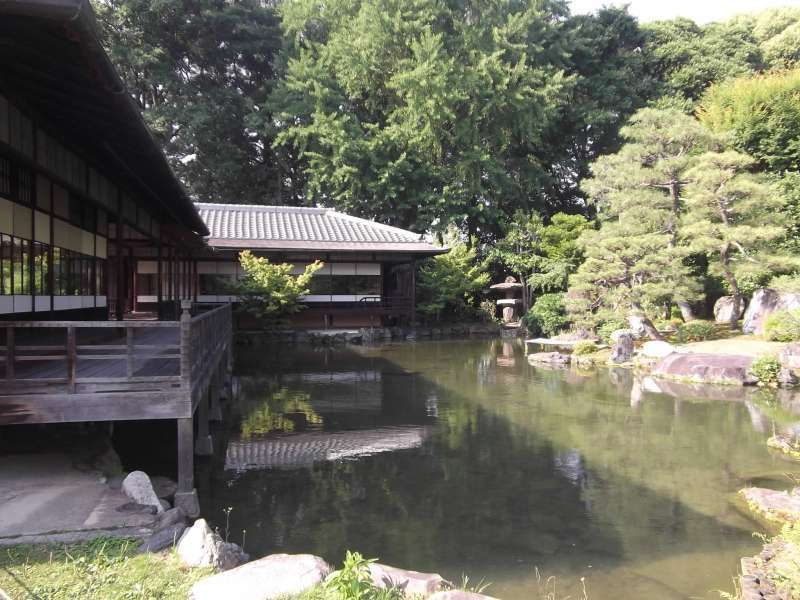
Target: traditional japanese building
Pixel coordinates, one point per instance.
(85, 193)
(368, 277)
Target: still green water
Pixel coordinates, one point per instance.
(460, 457)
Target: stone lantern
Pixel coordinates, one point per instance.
(511, 287)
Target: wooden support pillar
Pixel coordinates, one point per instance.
(120, 283)
(186, 495)
(159, 282)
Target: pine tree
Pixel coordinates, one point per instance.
(635, 261)
(731, 216)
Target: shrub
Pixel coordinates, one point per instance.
(695, 331)
(269, 291)
(783, 326)
(610, 326)
(487, 311)
(354, 582)
(786, 283)
(766, 369)
(584, 347)
(547, 315)
(450, 283)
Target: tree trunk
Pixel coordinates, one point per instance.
(738, 300)
(674, 194)
(687, 312)
(646, 323)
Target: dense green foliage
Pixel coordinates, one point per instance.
(763, 115)
(783, 326)
(584, 347)
(547, 316)
(413, 112)
(695, 331)
(449, 284)
(541, 256)
(200, 72)
(766, 370)
(270, 291)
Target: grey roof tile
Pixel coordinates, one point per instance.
(246, 225)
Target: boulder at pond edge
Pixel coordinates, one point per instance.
(413, 583)
(274, 576)
(699, 367)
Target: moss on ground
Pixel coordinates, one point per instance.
(105, 568)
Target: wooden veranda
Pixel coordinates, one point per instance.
(70, 371)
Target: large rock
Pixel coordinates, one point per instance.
(171, 517)
(765, 301)
(656, 349)
(790, 356)
(773, 507)
(706, 368)
(274, 576)
(162, 539)
(201, 547)
(459, 595)
(549, 358)
(412, 583)
(621, 346)
(724, 309)
(138, 488)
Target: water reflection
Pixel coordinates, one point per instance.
(305, 449)
(453, 457)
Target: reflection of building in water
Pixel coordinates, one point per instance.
(344, 391)
(305, 449)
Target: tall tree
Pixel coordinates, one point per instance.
(200, 72)
(421, 113)
(732, 216)
(762, 113)
(687, 58)
(608, 80)
(635, 259)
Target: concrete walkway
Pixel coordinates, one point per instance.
(45, 498)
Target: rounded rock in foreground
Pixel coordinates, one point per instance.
(274, 576)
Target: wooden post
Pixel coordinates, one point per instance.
(159, 276)
(10, 351)
(186, 496)
(186, 349)
(129, 362)
(72, 359)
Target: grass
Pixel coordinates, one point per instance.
(745, 345)
(105, 568)
(784, 568)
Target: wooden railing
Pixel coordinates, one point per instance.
(79, 357)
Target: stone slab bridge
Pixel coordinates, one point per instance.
(73, 371)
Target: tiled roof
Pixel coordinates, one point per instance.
(293, 228)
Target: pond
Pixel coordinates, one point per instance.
(460, 457)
